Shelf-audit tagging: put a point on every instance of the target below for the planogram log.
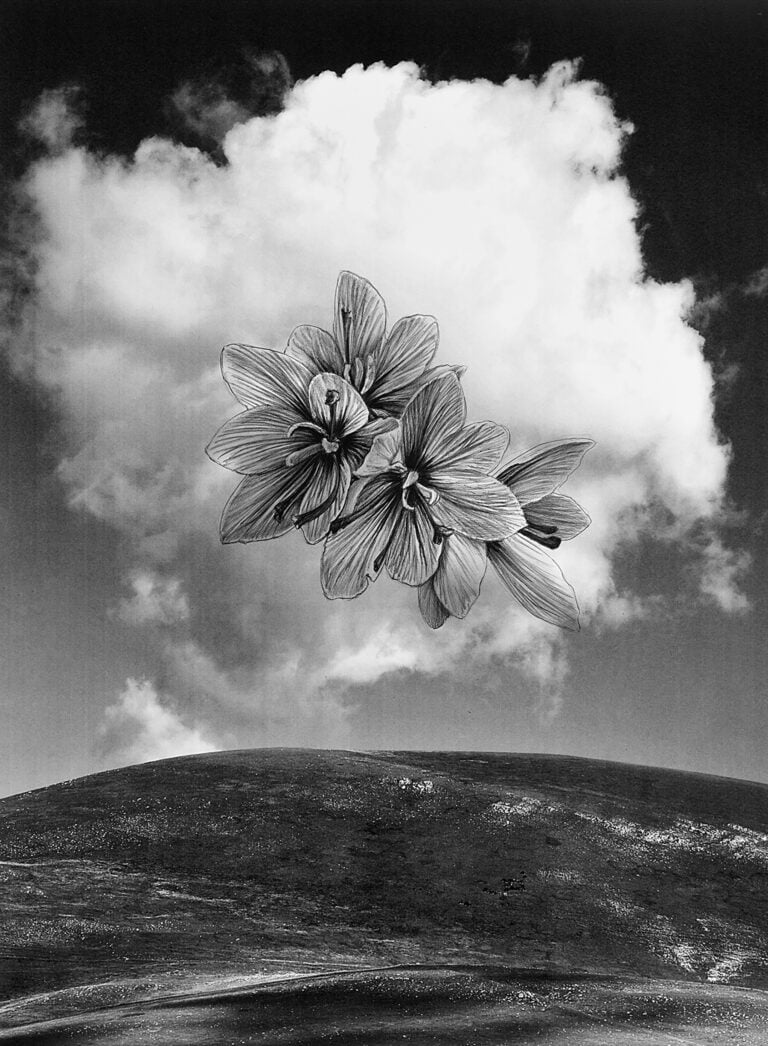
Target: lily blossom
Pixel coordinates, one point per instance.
(297, 443)
(521, 559)
(420, 485)
(386, 369)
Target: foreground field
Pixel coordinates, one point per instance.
(440, 1007)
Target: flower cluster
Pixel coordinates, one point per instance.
(356, 440)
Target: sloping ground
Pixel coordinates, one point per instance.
(172, 875)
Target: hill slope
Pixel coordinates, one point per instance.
(236, 864)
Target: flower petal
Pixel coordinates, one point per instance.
(329, 484)
(433, 416)
(346, 413)
(359, 444)
(259, 440)
(543, 469)
(316, 348)
(413, 553)
(439, 371)
(479, 447)
(535, 580)
(265, 377)
(478, 507)
(460, 574)
(558, 510)
(261, 507)
(386, 450)
(401, 360)
(432, 610)
(360, 317)
(348, 557)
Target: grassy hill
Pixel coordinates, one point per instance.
(236, 864)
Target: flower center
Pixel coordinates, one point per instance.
(330, 446)
(411, 490)
(411, 486)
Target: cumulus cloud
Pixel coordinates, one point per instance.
(139, 728)
(499, 209)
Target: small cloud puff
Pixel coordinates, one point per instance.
(139, 728)
(56, 119)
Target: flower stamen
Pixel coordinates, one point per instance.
(297, 456)
(279, 509)
(440, 533)
(542, 536)
(301, 518)
(369, 376)
(543, 528)
(346, 321)
(343, 521)
(331, 399)
(305, 425)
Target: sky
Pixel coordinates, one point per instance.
(578, 192)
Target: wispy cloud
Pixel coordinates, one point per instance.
(723, 573)
(497, 208)
(757, 284)
(155, 600)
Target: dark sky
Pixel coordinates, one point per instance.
(691, 77)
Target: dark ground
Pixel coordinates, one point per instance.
(534, 895)
(436, 1006)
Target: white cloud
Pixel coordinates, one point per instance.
(497, 208)
(139, 728)
(383, 652)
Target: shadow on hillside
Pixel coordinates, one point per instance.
(445, 1006)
